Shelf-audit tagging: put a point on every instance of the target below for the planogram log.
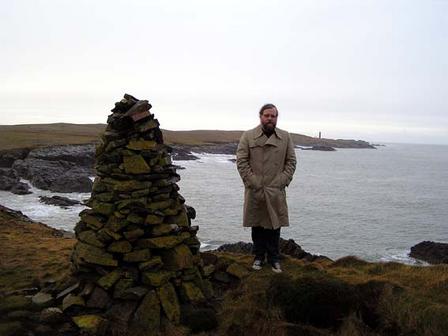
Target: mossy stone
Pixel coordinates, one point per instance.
(107, 235)
(165, 161)
(173, 211)
(178, 258)
(90, 237)
(90, 324)
(147, 316)
(135, 164)
(208, 270)
(140, 193)
(168, 300)
(105, 197)
(141, 144)
(165, 242)
(156, 279)
(121, 286)
(135, 218)
(127, 185)
(133, 234)
(134, 293)
(102, 207)
(181, 219)
(207, 289)
(122, 246)
(163, 229)
(108, 280)
(92, 222)
(191, 293)
(137, 256)
(84, 253)
(159, 205)
(115, 224)
(154, 263)
(147, 125)
(153, 220)
(132, 203)
(71, 301)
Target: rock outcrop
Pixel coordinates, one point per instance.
(8, 156)
(56, 176)
(431, 252)
(287, 248)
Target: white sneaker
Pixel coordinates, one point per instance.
(276, 267)
(257, 265)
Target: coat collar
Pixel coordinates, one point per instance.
(261, 139)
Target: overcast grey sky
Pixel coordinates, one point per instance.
(374, 70)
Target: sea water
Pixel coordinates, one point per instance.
(371, 203)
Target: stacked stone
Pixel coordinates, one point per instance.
(137, 256)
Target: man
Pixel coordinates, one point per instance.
(266, 162)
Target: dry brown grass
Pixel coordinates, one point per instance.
(414, 303)
(30, 253)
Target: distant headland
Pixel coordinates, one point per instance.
(36, 135)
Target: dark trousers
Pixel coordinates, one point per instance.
(266, 241)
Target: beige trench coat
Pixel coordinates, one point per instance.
(266, 166)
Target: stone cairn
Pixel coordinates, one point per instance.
(137, 256)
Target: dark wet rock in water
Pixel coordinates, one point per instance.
(10, 181)
(57, 176)
(320, 148)
(239, 247)
(431, 252)
(21, 189)
(8, 156)
(287, 247)
(58, 200)
(182, 154)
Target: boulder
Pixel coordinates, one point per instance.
(59, 201)
(10, 181)
(191, 293)
(431, 252)
(168, 300)
(287, 247)
(178, 258)
(147, 315)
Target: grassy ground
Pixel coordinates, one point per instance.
(367, 298)
(30, 253)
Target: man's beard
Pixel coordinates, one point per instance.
(268, 127)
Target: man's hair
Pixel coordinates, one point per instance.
(267, 106)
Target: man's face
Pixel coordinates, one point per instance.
(268, 119)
